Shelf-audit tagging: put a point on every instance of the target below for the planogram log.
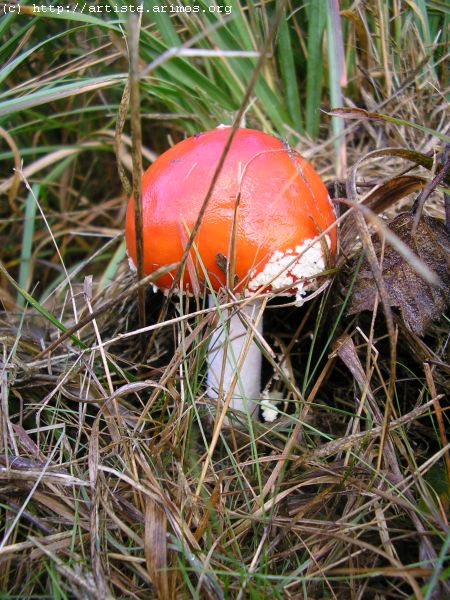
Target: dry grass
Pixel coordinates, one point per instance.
(108, 485)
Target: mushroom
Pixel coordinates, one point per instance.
(268, 227)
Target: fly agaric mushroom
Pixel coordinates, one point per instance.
(269, 214)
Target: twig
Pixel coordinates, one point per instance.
(136, 138)
(121, 118)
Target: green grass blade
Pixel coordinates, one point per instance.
(336, 79)
(57, 92)
(113, 266)
(316, 28)
(10, 66)
(422, 19)
(289, 76)
(13, 39)
(27, 243)
(437, 569)
(84, 16)
(439, 6)
(181, 72)
(163, 23)
(6, 22)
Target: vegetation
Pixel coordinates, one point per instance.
(108, 483)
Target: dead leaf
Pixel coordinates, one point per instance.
(155, 547)
(419, 302)
(389, 192)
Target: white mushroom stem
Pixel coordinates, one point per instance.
(234, 359)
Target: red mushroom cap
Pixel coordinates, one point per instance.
(283, 207)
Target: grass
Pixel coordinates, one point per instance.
(109, 485)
